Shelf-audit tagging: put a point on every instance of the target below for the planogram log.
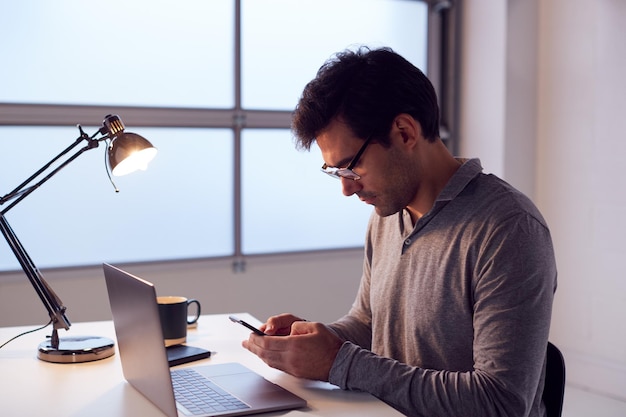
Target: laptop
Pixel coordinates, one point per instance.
(146, 368)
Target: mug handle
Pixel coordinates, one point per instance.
(197, 316)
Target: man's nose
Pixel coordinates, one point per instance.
(349, 186)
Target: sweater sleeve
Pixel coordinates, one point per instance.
(512, 303)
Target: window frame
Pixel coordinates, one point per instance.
(442, 69)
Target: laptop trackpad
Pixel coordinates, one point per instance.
(248, 386)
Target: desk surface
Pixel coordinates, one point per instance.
(30, 387)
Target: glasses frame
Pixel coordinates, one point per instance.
(347, 172)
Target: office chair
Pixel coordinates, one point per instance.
(554, 388)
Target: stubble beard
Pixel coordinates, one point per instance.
(401, 187)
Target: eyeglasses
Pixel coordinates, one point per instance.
(347, 171)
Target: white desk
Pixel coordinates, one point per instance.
(31, 387)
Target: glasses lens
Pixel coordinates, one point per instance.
(339, 173)
(348, 173)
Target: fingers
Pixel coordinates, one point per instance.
(271, 349)
(304, 327)
(308, 352)
(280, 325)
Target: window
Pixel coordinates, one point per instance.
(284, 42)
(287, 204)
(121, 53)
(212, 85)
(78, 217)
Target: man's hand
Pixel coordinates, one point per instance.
(302, 348)
(279, 325)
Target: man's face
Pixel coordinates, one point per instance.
(388, 176)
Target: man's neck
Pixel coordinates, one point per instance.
(439, 166)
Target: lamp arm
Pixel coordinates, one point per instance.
(48, 297)
(50, 300)
(20, 192)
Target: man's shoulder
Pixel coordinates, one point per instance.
(489, 195)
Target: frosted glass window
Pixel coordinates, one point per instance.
(181, 207)
(288, 203)
(144, 53)
(172, 63)
(284, 42)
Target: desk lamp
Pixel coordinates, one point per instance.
(126, 152)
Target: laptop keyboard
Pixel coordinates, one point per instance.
(200, 396)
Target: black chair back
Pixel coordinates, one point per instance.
(554, 388)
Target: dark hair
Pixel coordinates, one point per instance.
(367, 89)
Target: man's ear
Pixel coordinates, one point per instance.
(407, 128)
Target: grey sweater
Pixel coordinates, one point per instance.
(452, 315)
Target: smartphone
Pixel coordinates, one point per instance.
(247, 325)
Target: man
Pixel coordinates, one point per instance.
(453, 311)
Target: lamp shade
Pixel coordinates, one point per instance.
(129, 152)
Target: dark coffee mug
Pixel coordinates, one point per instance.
(174, 313)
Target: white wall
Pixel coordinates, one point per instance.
(561, 142)
(581, 187)
(317, 286)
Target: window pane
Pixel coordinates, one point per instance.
(140, 53)
(284, 42)
(181, 207)
(289, 204)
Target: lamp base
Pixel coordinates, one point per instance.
(77, 349)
